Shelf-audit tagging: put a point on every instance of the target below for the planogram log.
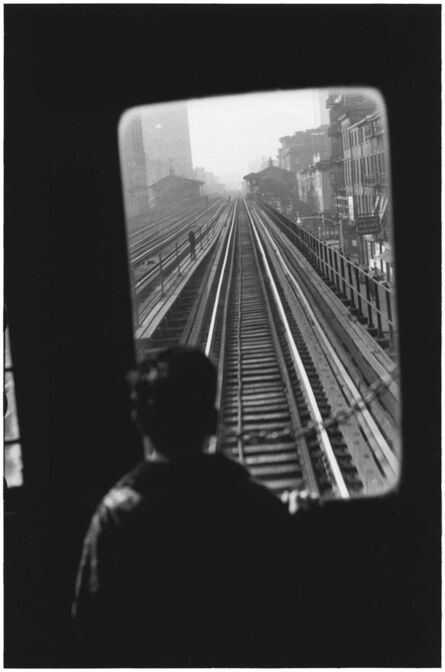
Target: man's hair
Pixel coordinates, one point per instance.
(173, 395)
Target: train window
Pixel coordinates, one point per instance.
(12, 454)
(260, 230)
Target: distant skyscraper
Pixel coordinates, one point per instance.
(134, 172)
(167, 142)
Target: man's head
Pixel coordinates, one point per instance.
(173, 395)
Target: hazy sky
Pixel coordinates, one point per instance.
(228, 133)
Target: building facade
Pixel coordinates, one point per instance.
(344, 108)
(364, 164)
(167, 142)
(359, 185)
(173, 192)
(341, 175)
(275, 186)
(366, 184)
(297, 150)
(315, 186)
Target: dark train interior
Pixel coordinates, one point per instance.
(70, 73)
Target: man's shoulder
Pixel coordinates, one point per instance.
(134, 491)
(120, 503)
(121, 498)
(209, 477)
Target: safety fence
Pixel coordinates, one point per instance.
(370, 299)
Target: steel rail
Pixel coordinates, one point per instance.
(272, 463)
(215, 440)
(246, 329)
(240, 362)
(157, 247)
(154, 271)
(303, 454)
(218, 291)
(174, 216)
(193, 323)
(381, 442)
(312, 403)
(146, 228)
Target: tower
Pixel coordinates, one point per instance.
(167, 141)
(134, 170)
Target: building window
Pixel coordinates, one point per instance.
(381, 163)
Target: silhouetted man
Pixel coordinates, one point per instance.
(192, 244)
(184, 562)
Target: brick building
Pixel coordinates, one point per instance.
(297, 150)
(315, 186)
(364, 162)
(275, 186)
(366, 183)
(359, 183)
(342, 107)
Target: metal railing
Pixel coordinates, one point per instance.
(368, 299)
(325, 228)
(168, 266)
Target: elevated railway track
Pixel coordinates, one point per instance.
(300, 418)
